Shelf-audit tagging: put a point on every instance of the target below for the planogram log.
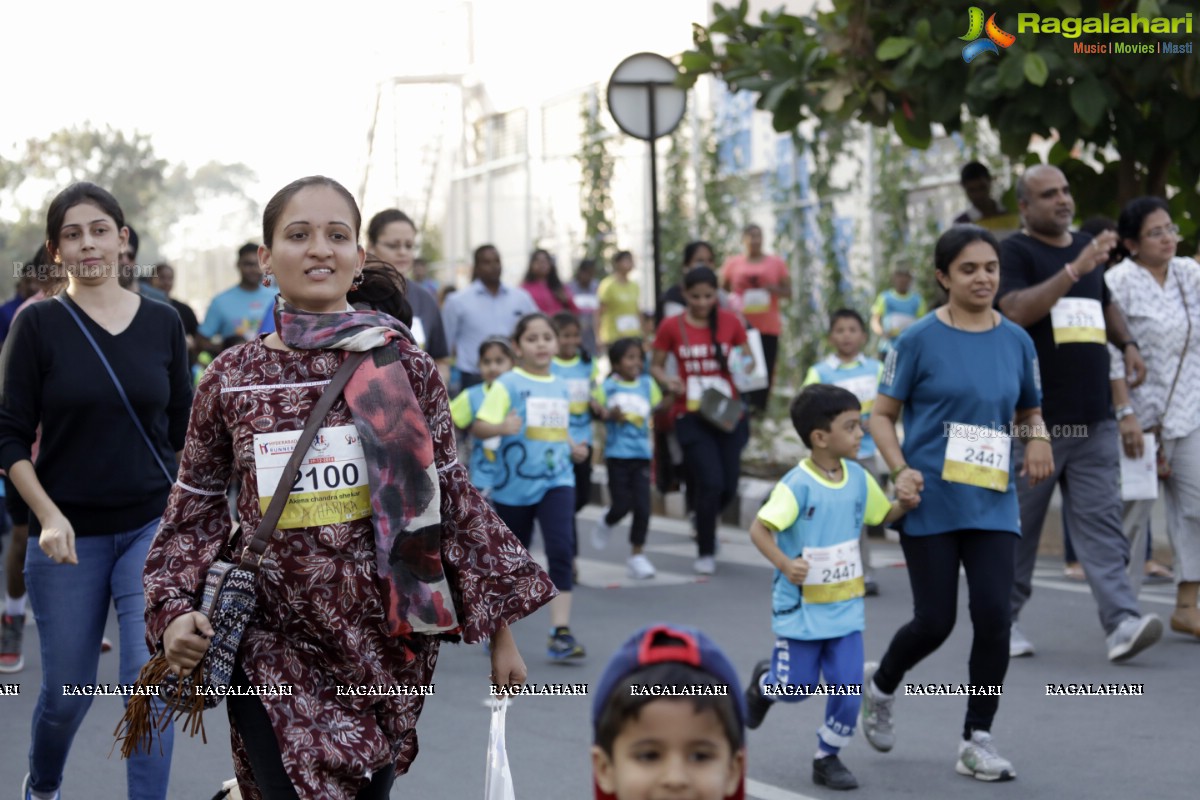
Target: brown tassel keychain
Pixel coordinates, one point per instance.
(135, 731)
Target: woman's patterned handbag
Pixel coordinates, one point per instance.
(228, 601)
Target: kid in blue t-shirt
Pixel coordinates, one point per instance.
(575, 366)
(625, 401)
(529, 408)
(809, 530)
(495, 359)
(895, 309)
(848, 368)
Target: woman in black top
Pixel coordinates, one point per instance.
(98, 488)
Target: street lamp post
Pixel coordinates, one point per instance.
(646, 104)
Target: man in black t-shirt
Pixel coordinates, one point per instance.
(1052, 284)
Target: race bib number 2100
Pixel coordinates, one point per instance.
(331, 485)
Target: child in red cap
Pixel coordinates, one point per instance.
(668, 717)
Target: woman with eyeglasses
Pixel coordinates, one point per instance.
(1159, 293)
(392, 237)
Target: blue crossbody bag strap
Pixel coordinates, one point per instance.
(120, 389)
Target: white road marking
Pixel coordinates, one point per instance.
(765, 791)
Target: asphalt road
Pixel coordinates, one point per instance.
(1099, 748)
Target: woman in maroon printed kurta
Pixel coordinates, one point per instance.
(321, 619)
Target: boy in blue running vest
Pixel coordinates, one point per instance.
(809, 530)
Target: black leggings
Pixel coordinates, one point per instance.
(988, 558)
(629, 488)
(713, 462)
(583, 493)
(248, 715)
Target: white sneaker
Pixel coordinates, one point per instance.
(1018, 645)
(602, 532)
(876, 713)
(27, 793)
(1134, 635)
(978, 759)
(706, 565)
(640, 567)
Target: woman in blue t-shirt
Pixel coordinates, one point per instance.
(966, 380)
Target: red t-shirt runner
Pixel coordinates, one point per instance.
(698, 364)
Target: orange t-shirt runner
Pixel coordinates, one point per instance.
(752, 281)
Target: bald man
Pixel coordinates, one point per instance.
(1052, 284)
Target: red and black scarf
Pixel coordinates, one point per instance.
(405, 495)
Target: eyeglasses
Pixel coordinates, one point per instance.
(1164, 232)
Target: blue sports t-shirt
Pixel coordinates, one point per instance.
(538, 457)
(581, 377)
(897, 310)
(947, 379)
(860, 377)
(483, 462)
(238, 312)
(820, 521)
(631, 437)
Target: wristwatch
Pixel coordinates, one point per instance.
(1123, 412)
(1125, 345)
(896, 472)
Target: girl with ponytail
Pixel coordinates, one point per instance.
(701, 339)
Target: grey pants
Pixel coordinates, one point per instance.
(1181, 493)
(1088, 470)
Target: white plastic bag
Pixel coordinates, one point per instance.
(756, 380)
(497, 782)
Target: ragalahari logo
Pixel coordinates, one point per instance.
(995, 36)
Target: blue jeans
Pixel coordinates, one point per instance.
(70, 604)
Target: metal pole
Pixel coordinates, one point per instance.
(655, 232)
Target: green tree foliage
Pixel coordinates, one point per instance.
(900, 64)
(724, 192)
(676, 215)
(432, 248)
(900, 238)
(152, 191)
(596, 163)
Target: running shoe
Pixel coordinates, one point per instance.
(876, 713)
(602, 532)
(12, 634)
(706, 565)
(870, 588)
(1134, 635)
(757, 705)
(832, 773)
(27, 793)
(640, 567)
(1018, 645)
(562, 645)
(978, 759)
